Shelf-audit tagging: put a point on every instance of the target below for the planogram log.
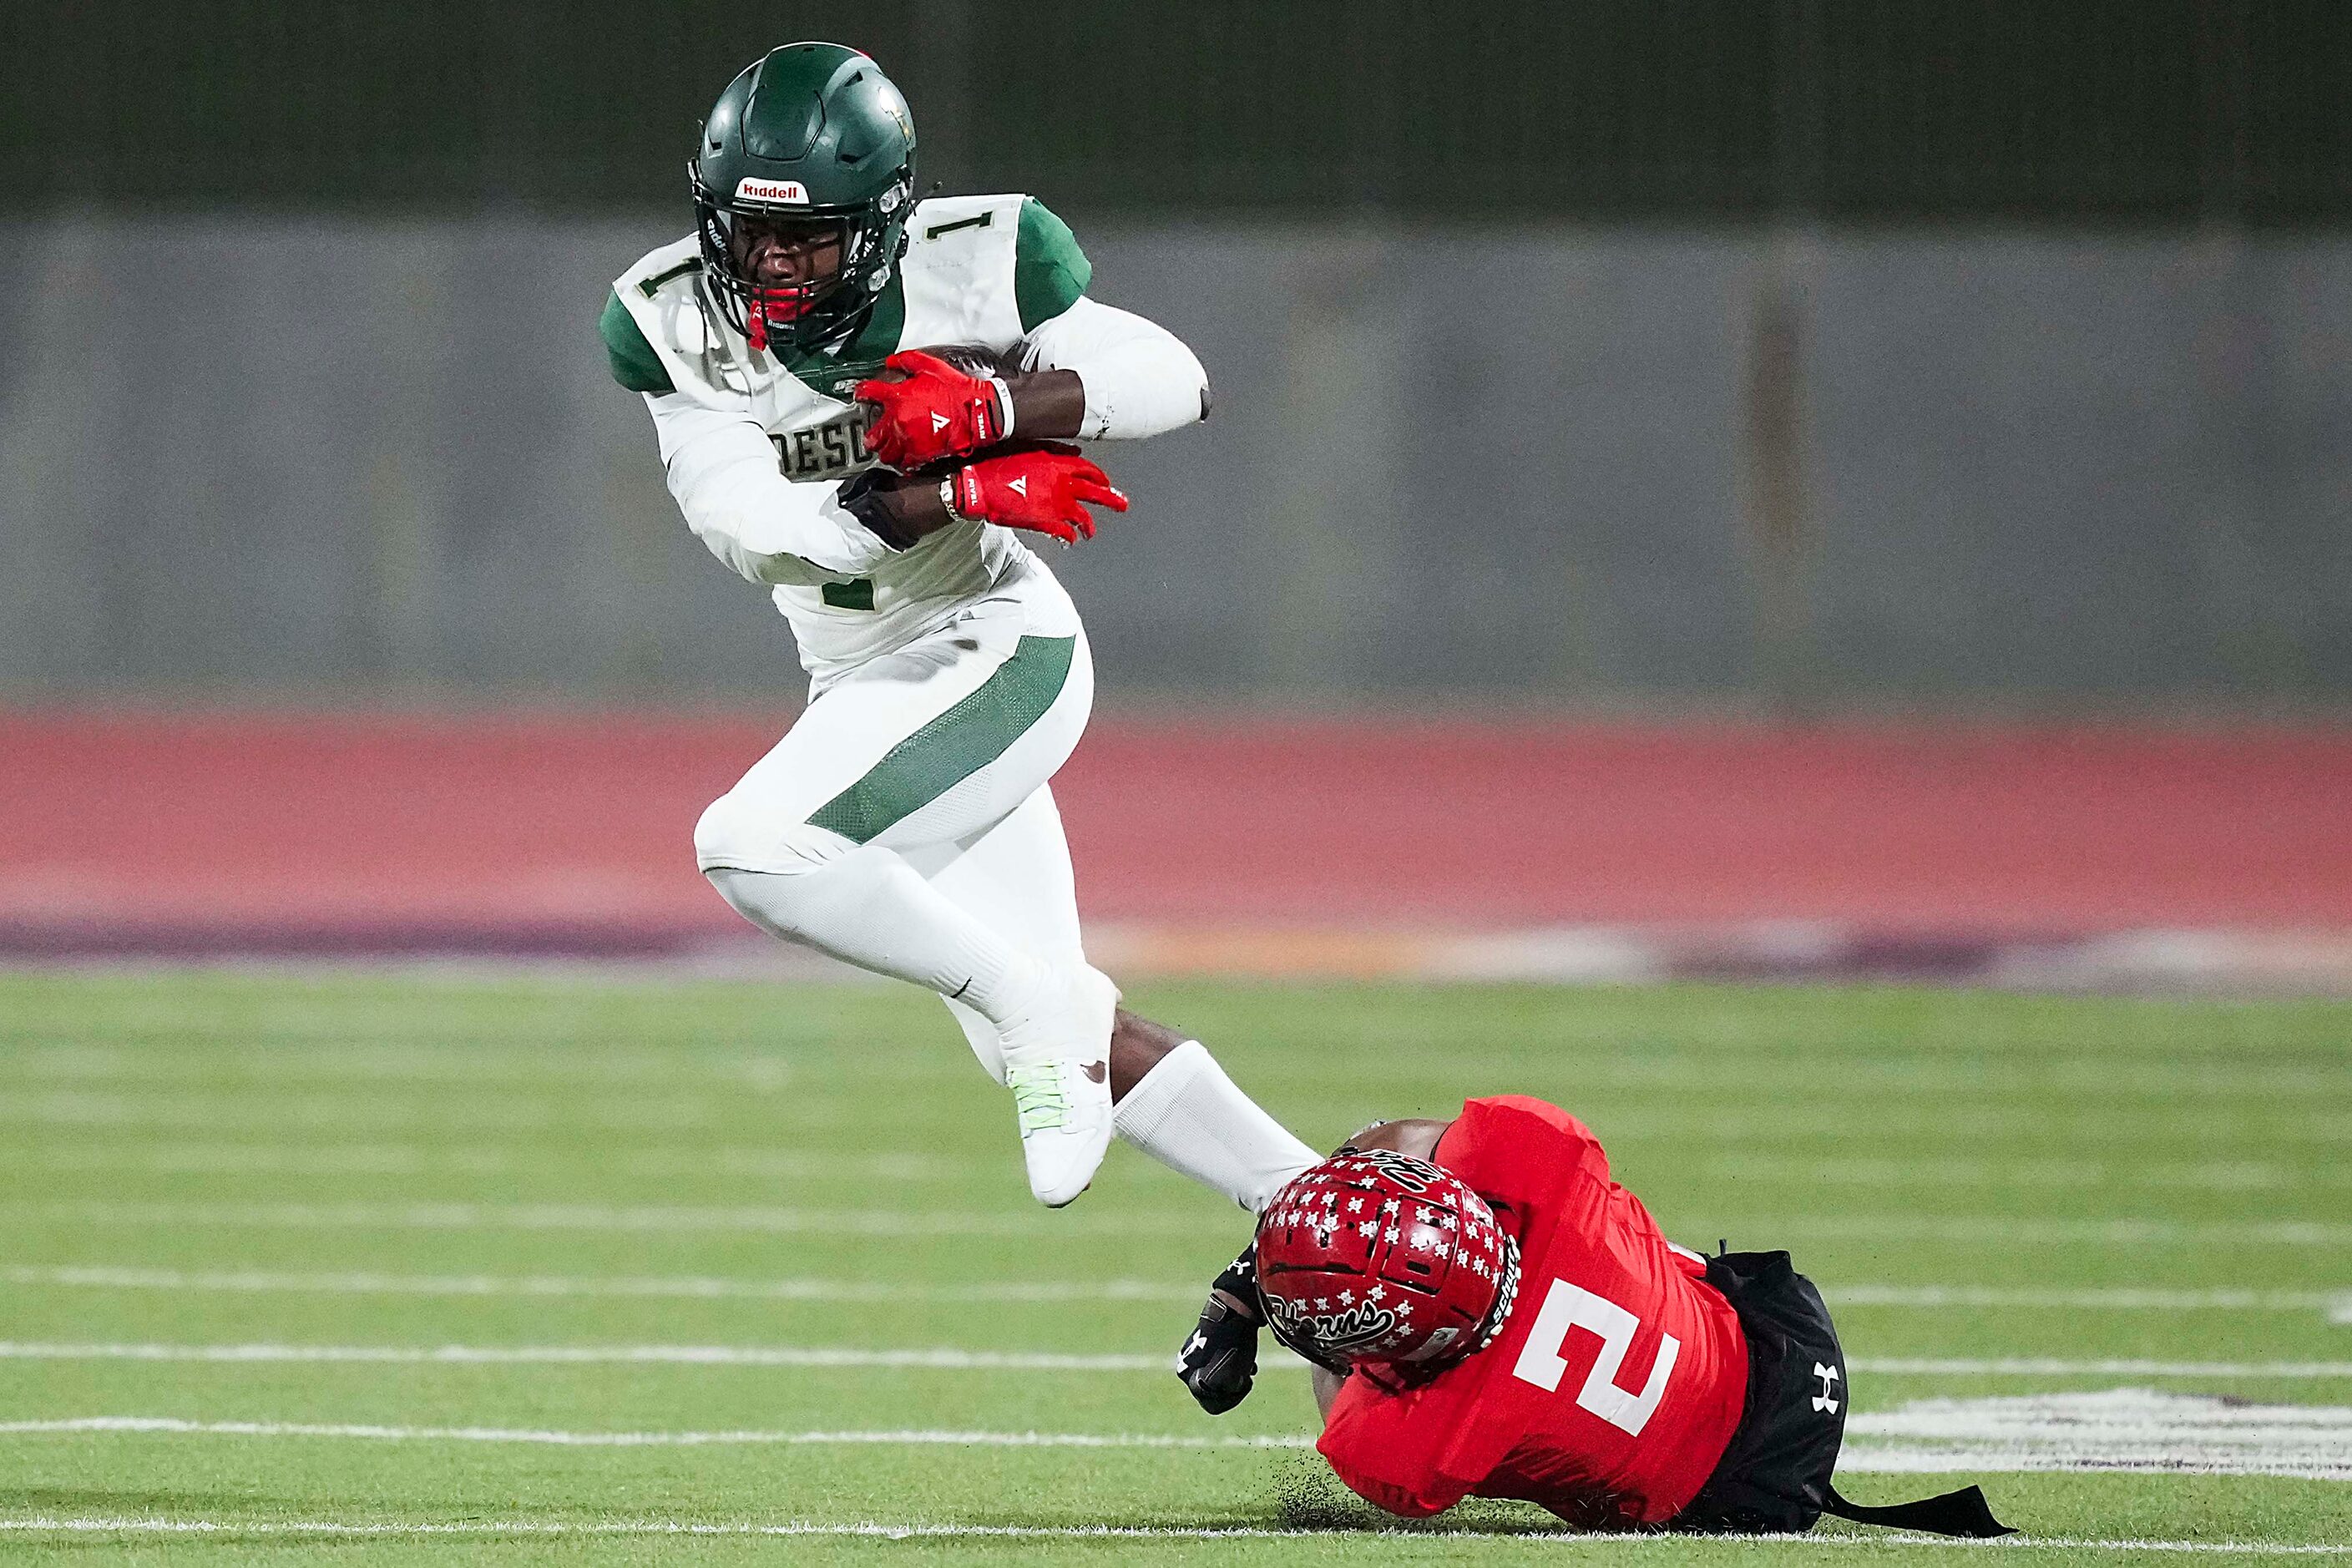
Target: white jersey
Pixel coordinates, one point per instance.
(756, 441)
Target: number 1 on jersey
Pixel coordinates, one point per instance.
(1566, 1306)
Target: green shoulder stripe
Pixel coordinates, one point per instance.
(635, 364)
(1049, 271)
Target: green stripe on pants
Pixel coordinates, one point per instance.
(955, 745)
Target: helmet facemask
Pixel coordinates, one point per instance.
(811, 313)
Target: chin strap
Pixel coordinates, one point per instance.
(1963, 1513)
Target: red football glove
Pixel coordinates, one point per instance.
(1045, 488)
(932, 412)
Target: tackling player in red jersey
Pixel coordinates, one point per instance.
(1490, 1314)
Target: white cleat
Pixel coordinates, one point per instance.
(1057, 1065)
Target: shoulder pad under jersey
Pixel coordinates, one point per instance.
(988, 269)
(657, 331)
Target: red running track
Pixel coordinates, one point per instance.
(124, 832)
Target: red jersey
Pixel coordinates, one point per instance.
(1612, 1392)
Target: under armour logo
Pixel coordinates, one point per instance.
(938, 422)
(1822, 1403)
(1020, 487)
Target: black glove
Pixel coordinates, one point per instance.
(1219, 1358)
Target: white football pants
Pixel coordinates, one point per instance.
(941, 752)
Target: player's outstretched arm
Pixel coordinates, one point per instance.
(1095, 372)
(1218, 1361)
(1139, 379)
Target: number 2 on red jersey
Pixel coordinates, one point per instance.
(1566, 1306)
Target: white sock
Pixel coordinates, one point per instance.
(869, 908)
(1189, 1116)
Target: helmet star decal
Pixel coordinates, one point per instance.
(1404, 1285)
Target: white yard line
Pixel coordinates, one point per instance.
(1960, 1124)
(389, 1159)
(253, 1158)
(1014, 1221)
(478, 1063)
(955, 1359)
(2105, 1298)
(2049, 1366)
(929, 1358)
(377, 1108)
(262, 1072)
(901, 1437)
(2036, 1231)
(202, 1064)
(386, 1111)
(616, 1218)
(911, 1530)
(1932, 1171)
(688, 1286)
(379, 1157)
(2119, 1429)
(2338, 1304)
(1994, 1459)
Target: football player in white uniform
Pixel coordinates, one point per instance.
(905, 822)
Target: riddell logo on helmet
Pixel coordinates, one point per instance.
(752, 190)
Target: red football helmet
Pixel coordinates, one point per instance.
(1377, 1258)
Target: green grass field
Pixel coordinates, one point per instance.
(675, 1198)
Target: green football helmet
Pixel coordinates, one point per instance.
(810, 136)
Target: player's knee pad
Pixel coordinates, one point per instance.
(735, 833)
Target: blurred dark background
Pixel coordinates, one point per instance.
(1677, 111)
(1792, 354)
